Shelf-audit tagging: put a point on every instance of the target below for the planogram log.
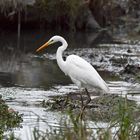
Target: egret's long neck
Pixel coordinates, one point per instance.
(59, 55)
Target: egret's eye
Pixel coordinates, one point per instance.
(52, 40)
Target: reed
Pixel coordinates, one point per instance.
(123, 126)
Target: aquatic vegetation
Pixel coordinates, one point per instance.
(8, 118)
(127, 121)
(102, 108)
(124, 125)
(71, 127)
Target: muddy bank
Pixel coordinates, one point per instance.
(121, 60)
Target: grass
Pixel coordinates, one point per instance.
(71, 128)
(127, 122)
(123, 126)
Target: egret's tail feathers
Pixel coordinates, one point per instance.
(105, 88)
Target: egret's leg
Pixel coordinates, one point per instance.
(88, 100)
(82, 102)
(84, 106)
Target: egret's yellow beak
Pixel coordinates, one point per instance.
(44, 46)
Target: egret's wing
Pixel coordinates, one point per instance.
(79, 62)
(84, 72)
(79, 66)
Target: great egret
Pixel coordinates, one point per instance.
(80, 71)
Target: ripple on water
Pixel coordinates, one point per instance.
(27, 101)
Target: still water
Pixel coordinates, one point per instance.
(27, 78)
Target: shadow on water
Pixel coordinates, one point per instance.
(31, 72)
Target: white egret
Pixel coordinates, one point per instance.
(80, 71)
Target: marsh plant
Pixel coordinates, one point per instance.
(71, 127)
(123, 126)
(127, 121)
(8, 118)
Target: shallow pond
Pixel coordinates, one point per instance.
(27, 78)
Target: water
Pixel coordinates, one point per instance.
(27, 78)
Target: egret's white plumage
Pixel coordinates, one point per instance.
(80, 71)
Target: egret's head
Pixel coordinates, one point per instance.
(52, 40)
